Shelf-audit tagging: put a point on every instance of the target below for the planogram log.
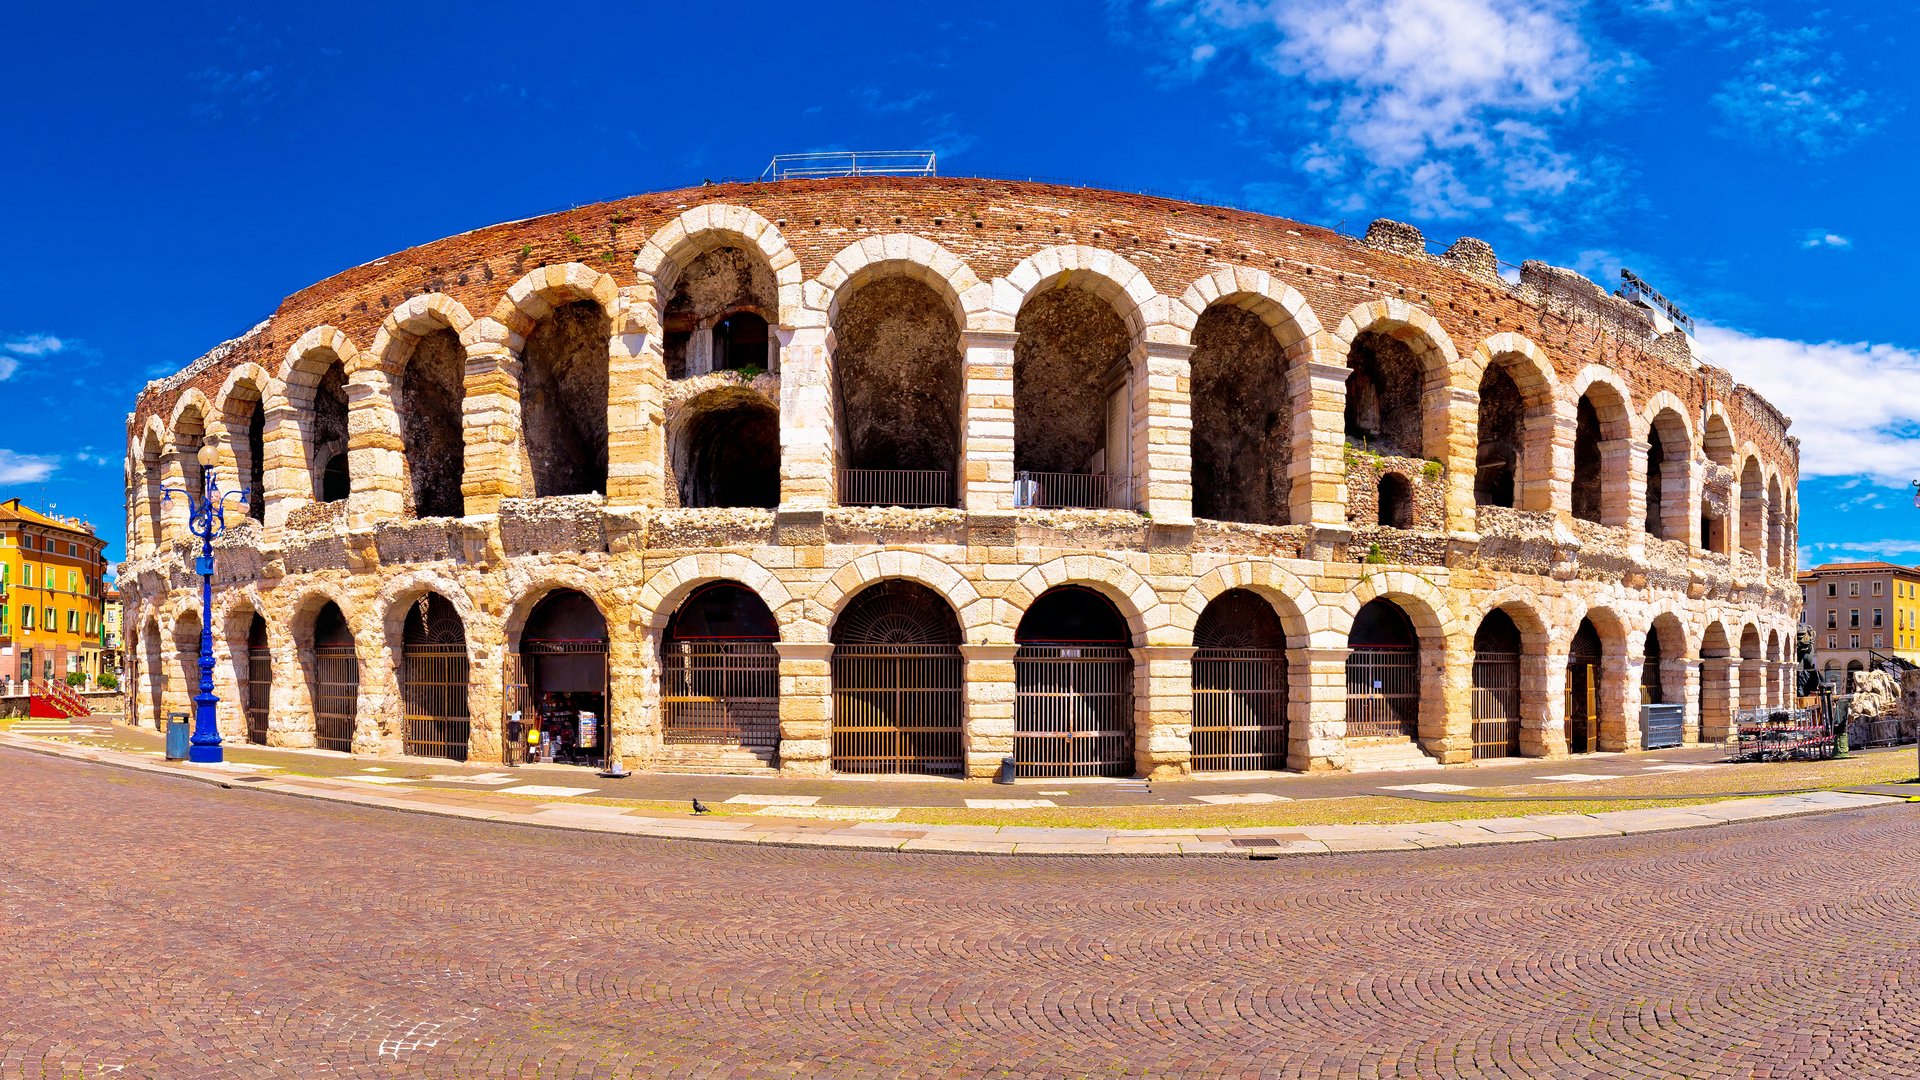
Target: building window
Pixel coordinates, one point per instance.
(73, 622)
(1833, 641)
(26, 618)
(1879, 641)
(1853, 588)
(53, 621)
(1876, 588)
(1877, 621)
(1833, 589)
(26, 575)
(1853, 641)
(1833, 619)
(1853, 617)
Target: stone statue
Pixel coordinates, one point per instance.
(1809, 678)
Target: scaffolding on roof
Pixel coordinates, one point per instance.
(850, 163)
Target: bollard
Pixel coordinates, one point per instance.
(1008, 767)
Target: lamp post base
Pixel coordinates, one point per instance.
(206, 755)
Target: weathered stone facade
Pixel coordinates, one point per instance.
(993, 294)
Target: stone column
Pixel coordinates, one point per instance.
(1752, 683)
(1623, 495)
(486, 685)
(1620, 700)
(1448, 736)
(1542, 719)
(989, 688)
(1319, 394)
(986, 423)
(1693, 680)
(288, 483)
(636, 385)
(227, 662)
(1555, 735)
(633, 690)
(1162, 710)
(1461, 422)
(809, 437)
(490, 415)
(290, 714)
(1561, 435)
(1163, 433)
(378, 714)
(1719, 686)
(806, 707)
(376, 453)
(1317, 707)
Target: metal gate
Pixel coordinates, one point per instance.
(897, 709)
(1496, 705)
(721, 693)
(336, 692)
(1239, 709)
(1665, 725)
(1073, 710)
(259, 691)
(435, 691)
(1583, 707)
(1383, 691)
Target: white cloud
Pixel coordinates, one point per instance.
(35, 345)
(1444, 105)
(25, 468)
(1855, 406)
(8, 365)
(1877, 548)
(1790, 95)
(1819, 238)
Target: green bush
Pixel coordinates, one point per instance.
(76, 678)
(107, 681)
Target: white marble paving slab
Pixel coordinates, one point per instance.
(832, 813)
(1577, 777)
(548, 791)
(1436, 789)
(1009, 804)
(1241, 797)
(774, 800)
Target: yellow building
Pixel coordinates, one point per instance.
(51, 588)
(1858, 608)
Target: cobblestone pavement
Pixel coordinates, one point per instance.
(158, 927)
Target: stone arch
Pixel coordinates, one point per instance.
(724, 450)
(1148, 620)
(400, 332)
(1776, 525)
(663, 592)
(1668, 469)
(1107, 275)
(1603, 432)
(153, 655)
(150, 450)
(416, 371)
(1425, 603)
(549, 579)
(188, 429)
(1753, 504)
(1298, 607)
(1395, 324)
(1717, 511)
(708, 227)
(561, 322)
(1669, 628)
(249, 395)
(822, 611)
(906, 255)
(1516, 436)
(314, 379)
(397, 595)
(1250, 333)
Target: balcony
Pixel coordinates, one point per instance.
(909, 488)
(1061, 491)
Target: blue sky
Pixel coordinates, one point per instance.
(172, 171)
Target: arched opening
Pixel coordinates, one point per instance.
(1588, 498)
(1584, 659)
(720, 676)
(1239, 686)
(434, 679)
(898, 368)
(1073, 687)
(189, 435)
(1669, 478)
(245, 422)
(1656, 484)
(717, 313)
(327, 460)
(1774, 696)
(1383, 673)
(1776, 526)
(1072, 406)
(559, 709)
(1653, 690)
(1395, 502)
(1503, 432)
(259, 681)
(186, 651)
(1716, 502)
(1242, 419)
(898, 705)
(1753, 510)
(334, 680)
(153, 475)
(729, 451)
(1496, 687)
(1854, 667)
(1384, 383)
(563, 401)
(254, 470)
(1717, 690)
(432, 393)
(156, 675)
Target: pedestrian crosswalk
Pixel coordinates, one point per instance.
(43, 728)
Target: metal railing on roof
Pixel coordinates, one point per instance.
(850, 163)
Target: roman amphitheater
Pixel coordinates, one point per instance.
(912, 475)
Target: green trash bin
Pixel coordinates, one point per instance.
(177, 736)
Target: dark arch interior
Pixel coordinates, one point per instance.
(1395, 502)
(1239, 619)
(432, 620)
(1242, 419)
(257, 679)
(1656, 522)
(333, 481)
(740, 342)
(1652, 686)
(733, 456)
(723, 296)
(1071, 353)
(723, 610)
(1072, 615)
(1586, 461)
(256, 477)
(563, 400)
(1497, 634)
(1383, 396)
(1586, 643)
(1382, 624)
(565, 615)
(432, 390)
(1502, 432)
(257, 634)
(330, 627)
(898, 367)
(896, 612)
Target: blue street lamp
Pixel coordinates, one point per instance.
(206, 519)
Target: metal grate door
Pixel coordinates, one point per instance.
(336, 692)
(1496, 705)
(1383, 691)
(1239, 709)
(435, 683)
(1583, 708)
(721, 693)
(897, 709)
(1073, 710)
(259, 693)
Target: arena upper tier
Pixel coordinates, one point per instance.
(910, 475)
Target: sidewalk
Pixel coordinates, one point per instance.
(853, 814)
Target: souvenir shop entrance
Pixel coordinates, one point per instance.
(556, 693)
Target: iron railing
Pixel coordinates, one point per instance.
(1239, 710)
(1583, 707)
(259, 694)
(721, 693)
(898, 709)
(1496, 705)
(1073, 710)
(1060, 491)
(896, 487)
(434, 683)
(850, 163)
(336, 693)
(1383, 691)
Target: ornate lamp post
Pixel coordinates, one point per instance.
(206, 519)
